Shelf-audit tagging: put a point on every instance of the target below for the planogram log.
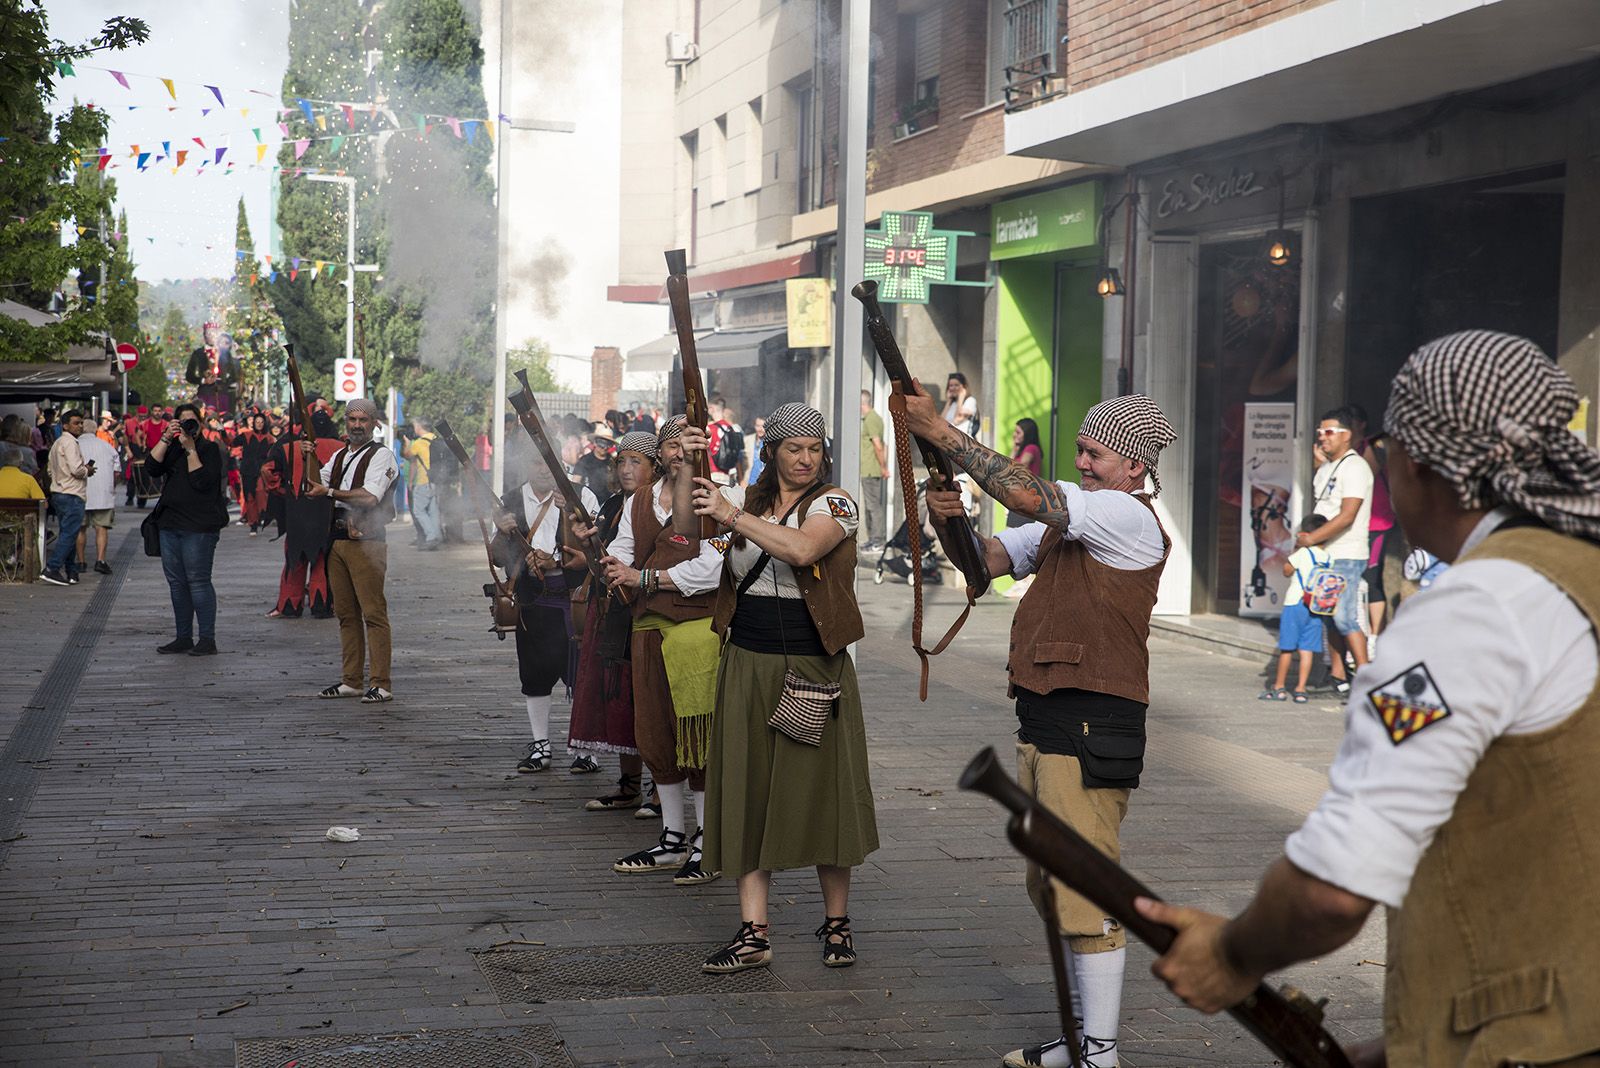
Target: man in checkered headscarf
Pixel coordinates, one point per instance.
(1078, 662)
(1460, 793)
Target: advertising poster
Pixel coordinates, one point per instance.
(1266, 535)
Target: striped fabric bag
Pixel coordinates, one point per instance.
(803, 708)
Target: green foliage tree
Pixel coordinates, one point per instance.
(38, 193)
(428, 324)
(532, 356)
(250, 315)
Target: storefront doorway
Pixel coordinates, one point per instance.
(1247, 349)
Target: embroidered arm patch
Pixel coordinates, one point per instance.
(721, 543)
(841, 508)
(1408, 702)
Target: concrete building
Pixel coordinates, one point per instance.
(730, 131)
(1423, 166)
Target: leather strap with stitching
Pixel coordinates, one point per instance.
(908, 491)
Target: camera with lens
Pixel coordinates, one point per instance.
(191, 427)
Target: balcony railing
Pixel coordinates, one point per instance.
(1031, 52)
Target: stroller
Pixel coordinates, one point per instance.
(896, 554)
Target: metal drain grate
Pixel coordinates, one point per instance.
(596, 973)
(500, 1047)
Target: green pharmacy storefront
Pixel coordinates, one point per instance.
(1048, 319)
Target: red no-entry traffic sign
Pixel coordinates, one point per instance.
(128, 355)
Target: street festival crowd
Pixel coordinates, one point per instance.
(714, 657)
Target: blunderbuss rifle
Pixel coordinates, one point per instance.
(308, 468)
(533, 422)
(694, 388)
(503, 609)
(955, 534)
(1288, 1023)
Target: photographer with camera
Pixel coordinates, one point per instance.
(191, 512)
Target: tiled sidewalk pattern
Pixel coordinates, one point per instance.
(175, 892)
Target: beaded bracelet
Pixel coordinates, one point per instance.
(733, 519)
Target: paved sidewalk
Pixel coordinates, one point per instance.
(174, 893)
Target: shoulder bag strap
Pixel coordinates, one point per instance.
(765, 558)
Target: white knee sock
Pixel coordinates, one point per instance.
(1098, 981)
(539, 716)
(672, 807)
(699, 798)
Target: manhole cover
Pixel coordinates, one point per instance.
(507, 1047)
(594, 973)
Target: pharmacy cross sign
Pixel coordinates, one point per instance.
(908, 255)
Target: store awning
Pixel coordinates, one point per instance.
(724, 350)
(655, 356)
(36, 382)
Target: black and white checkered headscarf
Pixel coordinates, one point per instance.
(1133, 428)
(1489, 413)
(671, 428)
(640, 441)
(795, 421)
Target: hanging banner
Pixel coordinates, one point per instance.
(1272, 505)
(810, 313)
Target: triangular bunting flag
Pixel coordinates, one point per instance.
(261, 151)
(257, 131)
(252, 278)
(349, 115)
(144, 157)
(455, 127)
(471, 126)
(172, 90)
(199, 142)
(272, 277)
(166, 148)
(205, 111)
(295, 263)
(220, 152)
(218, 94)
(336, 144)
(300, 147)
(103, 161)
(322, 122)
(305, 106)
(293, 273)
(488, 124)
(121, 78)
(64, 68)
(422, 123)
(183, 154)
(81, 229)
(283, 127)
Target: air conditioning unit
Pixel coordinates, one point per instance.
(681, 49)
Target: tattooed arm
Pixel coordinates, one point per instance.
(1002, 478)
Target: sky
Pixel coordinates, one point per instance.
(562, 188)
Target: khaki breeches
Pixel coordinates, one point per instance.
(1057, 783)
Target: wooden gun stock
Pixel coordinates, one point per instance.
(309, 471)
(532, 420)
(694, 387)
(1289, 1024)
(955, 536)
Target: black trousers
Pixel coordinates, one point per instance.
(543, 650)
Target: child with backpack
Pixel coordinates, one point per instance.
(1313, 594)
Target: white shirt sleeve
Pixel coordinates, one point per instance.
(381, 472)
(1504, 651)
(1116, 528)
(621, 546)
(704, 572)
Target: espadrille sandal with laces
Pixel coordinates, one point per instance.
(749, 949)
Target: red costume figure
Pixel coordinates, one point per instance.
(305, 551)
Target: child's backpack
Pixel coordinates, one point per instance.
(1323, 587)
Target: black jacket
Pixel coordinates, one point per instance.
(191, 500)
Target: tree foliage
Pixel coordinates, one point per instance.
(424, 202)
(41, 186)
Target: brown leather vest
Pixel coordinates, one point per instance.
(1085, 625)
(1494, 956)
(827, 587)
(656, 545)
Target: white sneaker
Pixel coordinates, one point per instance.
(376, 696)
(340, 690)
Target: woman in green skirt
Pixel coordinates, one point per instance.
(786, 782)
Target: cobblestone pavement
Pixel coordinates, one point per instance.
(168, 897)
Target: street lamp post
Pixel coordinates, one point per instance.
(350, 264)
